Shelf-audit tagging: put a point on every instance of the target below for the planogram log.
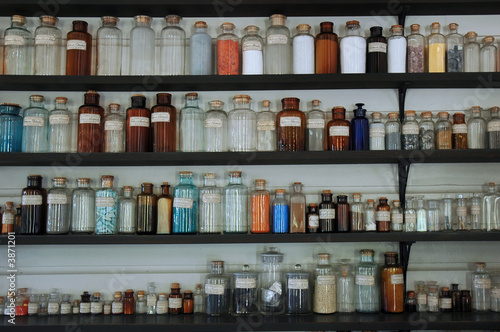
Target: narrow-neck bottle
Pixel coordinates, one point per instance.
(376, 56)
(129, 302)
(367, 283)
(360, 137)
(11, 128)
(326, 45)
(472, 51)
(396, 50)
(228, 54)
(454, 50)
(416, 56)
(342, 214)
(33, 212)
(83, 209)
(410, 216)
(252, 56)
(260, 208)
(297, 209)
(48, 47)
(127, 213)
(481, 286)
(192, 125)
(85, 303)
(303, 50)
(291, 124)
(346, 299)
(18, 45)
(369, 220)
(217, 291)
(410, 132)
(392, 284)
(353, 50)
(421, 296)
(106, 207)
(383, 215)
(199, 300)
(109, 47)
(443, 131)
(459, 132)
(142, 47)
(312, 218)
(315, 128)
(60, 127)
(242, 125)
(488, 55)
(172, 47)
(421, 215)
(210, 219)
(494, 129)
(200, 45)
(393, 132)
(185, 205)
(163, 124)
(216, 127)
(396, 216)
(151, 299)
(114, 130)
(138, 121)
(90, 117)
(8, 219)
(427, 132)
(235, 205)
(327, 213)
(475, 212)
(357, 214)
(377, 132)
(490, 221)
(266, 128)
(58, 207)
(433, 222)
(278, 55)
(338, 130)
(456, 298)
(280, 211)
(79, 50)
(35, 126)
(476, 130)
(165, 209)
(436, 50)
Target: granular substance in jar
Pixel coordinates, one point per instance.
(416, 59)
(325, 295)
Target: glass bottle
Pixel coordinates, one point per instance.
(303, 50)
(376, 56)
(151, 299)
(338, 130)
(129, 302)
(228, 54)
(416, 55)
(357, 214)
(312, 218)
(315, 128)
(433, 224)
(443, 131)
(392, 284)
(366, 280)
(200, 45)
(266, 128)
(188, 303)
(58, 207)
(35, 126)
(488, 55)
(146, 210)
(192, 125)
(106, 207)
(33, 212)
(410, 132)
(476, 130)
(216, 130)
(396, 51)
(455, 297)
(475, 212)
(410, 302)
(210, 220)
(291, 124)
(83, 210)
(488, 207)
(90, 115)
(377, 132)
(297, 209)
(346, 299)
(185, 206)
(324, 299)
(298, 292)
(217, 291)
(162, 304)
(353, 50)
(462, 214)
(127, 213)
(448, 212)
(327, 213)
(59, 133)
(199, 300)
(421, 297)
(235, 205)
(114, 133)
(85, 303)
(383, 215)
(66, 304)
(163, 124)
(48, 47)
(421, 215)
(493, 129)
(22, 302)
(465, 301)
(360, 136)
(342, 214)
(42, 305)
(459, 132)
(242, 125)
(79, 50)
(140, 303)
(454, 50)
(252, 57)
(109, 47)
(11, 128)
(396, 216)
(260, 208)
(281, 213)
(165, 208)
(8, 220)
(138, 122)
(393, 132)
(472, 51)
(142, 47)
(245, 293)
(436, 50)
(369, 220)
(54, 306)
(495, 291)
(277, 58)
(18, 219)
(427, 132)
(271, 283)
(481, 285)
(96, 306)
(172, 47)
(326, 45)
(33, 305)
(18, 45)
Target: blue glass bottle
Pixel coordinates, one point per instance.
(281, 213)
(200, 45)
(36, 126)
(360, 138)
(11, 128)
(106, 207)
(185, 205)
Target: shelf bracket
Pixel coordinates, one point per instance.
(401, 98)
(404, 256)
(402, 16)
(403, 170)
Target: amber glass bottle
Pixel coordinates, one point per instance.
(338, 130)
(291, 123)
(146, 210)
(18, 219)
(459, 132)
(163, 124)
(392, 284)
(326, 49)
(342, 214)
(138, 118)
(33, 209)
(383, 215)
(164, 217)
(79, 50)
(129, 302)
(90, 119)
(175, 300)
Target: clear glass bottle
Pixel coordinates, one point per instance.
(436, 50)
(235, 205)
(33, 211)
(490, 220)
(488, 55)
(353, 50)
(75, 307)
(109, 47)
(210, 219)
(58, 207)
(252, 56)
(471, 53)
(192, 125)
(298, 292)
(325, 290)
(35, 126)
(493, 129)
(228, 54)
(271, 283)
(476, 130)
(421, 215)
(260, 208)
(199, 300)
(242, 125)
(291, 126)
(83, 211)
(448, 211)
(127, 213)
(462, 214)
(475, 212)
(162, 304)
(396, 51)
(165, 208)
(60, 127)
(297, 209)
(346, 299)
(172, 47)
(396, 216)
(245, 293)
(410, 132)
(367, 288)
(281, 213)
(151, 299)
(90, 115)
(96, 306)
(443, 131)
(216, 130)
(42, 305)
(357, 214)
(427, 132)
(11, 128)
(421, 297)
(303, 50)
(459, 132)
(326, 46)
(114, 130)
(278, 55)
(495, 291)
(416, 50)
(433, 224)
(369, 220)
(54, 305)
(48, 47)
(18, 48)
(393, 132)
(315, 127)
(140, 304)
(185, 212)
(481, 286)
(338, 130)
(217, 291)
(146, 210)
(376, 51)
(360, 133)
(106, 207)
(117, 304)
(377, 132)
(392, 290)
(266, 128)
(33, 305)
(142, 47)
(454, 50)
(200, 45)
(163, 124)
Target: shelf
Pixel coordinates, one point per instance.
(427, 321)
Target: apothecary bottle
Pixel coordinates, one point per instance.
(297, 209)
(106, 207)
(436, 50)
(151, 299)
(377, 132)
(369, 220)
(396, 51)
(324, 299)
(114, 130)
(117, 304)
(42, 304)
(493, 129)
(192, 125)
(433, 223)
(342, 214)
(235, 205)
(127, 212)
(367, 283)
(416, 50)
(200, 45)
(421, 296)
(481, 288)
(185, 212)
(138, 125)
(66, 304)
(291, 124)
(142, 47)
(396, 216)
(410, 216)
(217, 291)
(242, 125)
(454, 50)
(210, 219)
(216, 127)
(83, 211)
(60, 127)
(90, 116)
(312, 218)
(278, 55)
(281, 212)
(315, 127)
(228, 53)
(338, 130)
(260, 208)
(146, 210)
(271, 283)
(199, 300)
(33, 209)
(109, 47)
(48, 47)
(33, 305)
(162, 304)
(472, 51)
(172, 47)
(252, 52)
(35, 126)
(129, 302)
(165, 209)
(383, 215)
(163, 124)
(476, 130)
(360, 135)
(18, 48)
(8, 220)
(495, 291)
(443, 131)
(96, 306)
(353, 50)
(298, 292)
(140, 303)
(245, 292)
(475, 212)
(266, 128)
(303, 50)
(459, 132)
(410, 132)
(346, 299)
(393, 132)
(490, 223)
(357, 214)
(376, 56)
(175, 300)
(327, 213)
(422, 215)
(11, 128)
(392, 284)
(488, 55)
(426, 132)
(58, 207)
(445, 301)
(326, 45)
(54, 307)
(79, 50)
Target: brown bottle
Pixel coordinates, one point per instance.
(383, 215)
(129, 302)
(33, 208)
(312, 218)
(163, 124)
(327, 215)
(188, 303)
(138, 119)
(175, 300)
(392, 284)
(146, 210)
(326, 49)
(90, 124)
(18, 219)
(342, 214)
(79, 50)
(459, 131)
(338, 130)
(164, 209)
(291, 123)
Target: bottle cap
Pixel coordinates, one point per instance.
(191, 95)
(435, 25)
(426, 115)
(279, 191)
(209, 175)
(415, 27)
(488, 39)
(18, 19)
(278, 19)
(186, 173)
(235, 174)
(324, 256)
(91, 92)
(140, 293)
(351, 24)
(297, 183)
(397, 28)
(410, 113)
(61, 100)
(266, 103)
(393, 115)
(164, 184)
(260, 182)
(97, 294)
(175, 285)
(242, 98)
(316, 103)
(443, 114)
(326, 192)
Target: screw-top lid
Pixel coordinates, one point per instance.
(18, 19)
(272, 256)
(200, 24)
(277, 19)
(235, 174)
(435, 25)
(209, 175)
(488, 39)
(415, 27)
(175, 285)
(110, 20)
(393, 115)
(303, 28)
(37, 98)
(49, 20)
(216, 103)
(252, 29)
(352, 24)
(173, 19)
(471, 34)
(143, 19)
(280, 191)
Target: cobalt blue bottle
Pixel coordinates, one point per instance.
(360, 137)
(11, 128)
(185, 205)
(281, 213)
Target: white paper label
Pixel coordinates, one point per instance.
(494, 126)
(422, 299)
(90, 118)
(252, 45)
(383, 216)
(57, 199)
(327, 214)
(316, 124)
(183, 203)
(76, 44)
(151, 300)
(245, 283)
(277, 39)
(175, 303)
(33, 121)
(32, 200)
(325, 280)
(290, 121)
(365, 280)
(84, 307)
(160, 117)
(314, 221)
(298, 284)
(65, 308)
(397, 218)
(211, 198)
(212, 289)
(276, 287)
(213, 123)
(117, 308)
(266, 125)
(96, 307)
(495, 293)
(8, 219)
(139, 121)
(377, 47)
(59, 119)
(32, 308)
(45, 40)
(113, 125)
(162, 307)
(482, 283)
(410, 218)
(377, 132)
(459, 128)
(410, 129)
(433, 301)
(462, 211)
(339, 131)
(105, 202)
(475, 210)
(14, 40)
(445, 303)
(397, 279)
(107, 309)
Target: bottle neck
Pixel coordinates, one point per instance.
(127, 194)
(338, 116)
(326, 197)
(242, 104)
(409, 117)
(217, 269)
(367, 258)
(91, 99)
(297, 188)
(191, 102)
(235, 179)
(38, 104)
(260, 186)
(209, 182)
(34, 182)
(360, 113)
(186, 179)
(390, 260)
(280, 195)
(353, 31)
(147, 190)
(61, 106)
(139, 102)
(59, 185)
(200, 30)
(165, 190)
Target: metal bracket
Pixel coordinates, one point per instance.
(403, 170)
(404, 256)
(402, 97)
(402, 16)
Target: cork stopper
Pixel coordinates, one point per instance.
(397, 28)
(217, 263)
(443, 115)
(453, 26)
(138, 96)
(200, 24)
(128, 189)
(18, 19)
(110, 20)
(83, 181)
(91, 92)
(435, 25)
(191, 95)
(338, 109)
(415, 27)
(377, 115)
(278, 19)
(97, 294)
(188, 292)
(114, 107)
(48, 20)
(266, 103)
(326, 192)
(480, 265)
(370, 201)
(297, 183)
(260, 182)
(303, 28)
(59, 180)
(393, 115)
(107, 181)
(488, 39)
(227, 26)
(445, 289)
(216, 104)
(242, 99)
(252, 29)
(471, 34)
(279, 191)
(316, 103)
(367, 252)
(235, 174)
(352, 24)
(475, 109)
(37, 98)
(356, 195)
(396, 202)
(426, 115)
(117, 295)
(129, 291)
(173, 19)
(210, 176)
(164, 184)
(61, 100)
(313, 205)
(410, 113)
(186, 173)
(140, 293)
(143, 19)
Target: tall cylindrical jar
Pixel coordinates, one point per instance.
(163, 124)
(11, 128)
(127, 213)
(245, 292)
(146, 210)
(476, 130)
(377, 132)
(353, 50)
(436, 50)
(338, 130)
(142, 47)
(235, 205)
(200, 45)
(90, 117)
(416, 50)
(165, 208)
(271, 283)
(303, 50)
(172, 47)
(18, 48)
(291, 124)
(266, 128)
(396, 216)
(454, 50)
(481, 288)
(393, 132)
(58, 207)
(252, 52)
(242, 125)
(324, 299)
(443, 131)
(106, 207)
(185, 205)
(472, 51)
(326, 44)
(488, 55)
(410, 131)
(114, 130)
(216, 132)
(459, 132)
(79, 50)
(297, 209)
(383, 215)
(278, 53)
(60, 127)
(192, 125)
(327, 213)
(260, 208)
(315, 128)
(33, 208)
(109, 47)
(427, 132)
(298, 292)
(280, 212)
(217, 291)
(35, 126)
(48, 47)
(392, 284)
(345, 288)
(376, 56)
(367, 288)
(228, 52)
(210, 219)
(138, 123)
(83, 211)
(396, 51)
(494, 129)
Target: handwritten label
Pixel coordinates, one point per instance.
(314, 221)
(80, 45)
(482, 283)
(175, 303)
(59, 119)
(212, 289)
(105, 202)
(277, 39)
(397, 218)
(459, 128)
(397, 279)
(113, 125)
(13, 40)
(298, 284)
(363, 280)
(90, 118)
(183, 203)
(377, 132)
(33, 121)
(160, 117)
(462, 211)
(339, 131)
(245, 283)
(383, 216)
(494, 126)
(251, 46)
(290, 121)
(57, 199)
(325, 280)
(327, 214)
(213, 123)
(45, 40)
(422, 299)
(410, 129)
(211, 198)
(139, 121)
(377, 47)
(266, 125)
(31, 200)
(315, 123)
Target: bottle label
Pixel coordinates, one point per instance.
(33, 121)
(161, 307)
(31, 200)
(459, 128)
(377, 132)
(13, 40)
(175, 303)
(252, 45)
(377, 47)
(482, 283)
(422, 299)
(76, 44)
(397, 279)
(213, 123)
(139, 121)
(117, 308)
(65, 308)
(325, 280)
(107, 309)
(494, 126)
(276, 287)
(151, 300)
(277, 39)
(411, 218)
(327, 214)
(475, 210)
(397, 218)
(339, 131)
(383, 216)
(84, 307)
(298, 284)
(105, 202)
(183, 203)
(410, 129)
(8, 219)
(113, 125)
(76, 310)
(212, 289)
(160, 117)
(90, 118)
(96, 308)
(53, 308)
(316, 123)
(266, 125)
(211, 198)
(363, 280)
(433, 301)
(462, 211)
(245, 283)
(32, 308)
(59, 119)
(313, 221)
(290, 121)
(57, 199)
(445, 303)
(495, 293)
(45, 40)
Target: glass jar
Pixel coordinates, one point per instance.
(106, 207)
(11, 128)
(242, 125)
(281, 213)
(353, 50)
(396, 51)
(360, 134)
(495, 291)
(8, 220)
(142, 47)
(466, 301)
(312, 218)
(455, 297)
(114, 133)
(303, 50)
(475, 212)
(140, 303)
(127, 222)
(210, 220)
(366, 279)
(79, 50)
(433, 298)
(165, 207)
(338, 130)
(377, 132)
(96, 306)
(129, 302)
(58, 207)
(146, 210)
(138, 123)
(396, 216)
(84, 303)
(90, 116)
(60, 127)
(342, 214)
(459, 132)
(443, 131)
(217, 291)
(297, 209)
(228, 54)
(298, 292)
(393, 132)
(252, 46)
(22, 302)
(17, 52)
(493, 129)
(188, 303)
(346, 300)
(66, 304)
(454, 50)
(421, 297)
(426, 133)
(109, 47)
(200, 45)
(117, 304)
(326, 45)
(151, 299)
(33, 212)
(410, 302)
(433, 224)
(416, 55)
(324, 299)
(357, 214)
(235, 205)
(476, 130)
(162, 304)
(192, 125)
(83, 211)
(271, 283)
(481, 288)
(488, 55)
(436, 50)
(163, 124)
(175, 300)
(291, 124)
(245, 292)
(278, 55)
(327, 213)
(410, 132)
(260, 206)
(448, 211)
(185, 205)
(48, 47)
(369, 219)
(216, 139)
(172, 47)
(383, 215)
(472, 51)
(33, 305)
(266, 128)
(488, 206)
(392, 284)
(376, 55)
(35, 126)
(315, 128)
(422, 214)
(199, 300)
